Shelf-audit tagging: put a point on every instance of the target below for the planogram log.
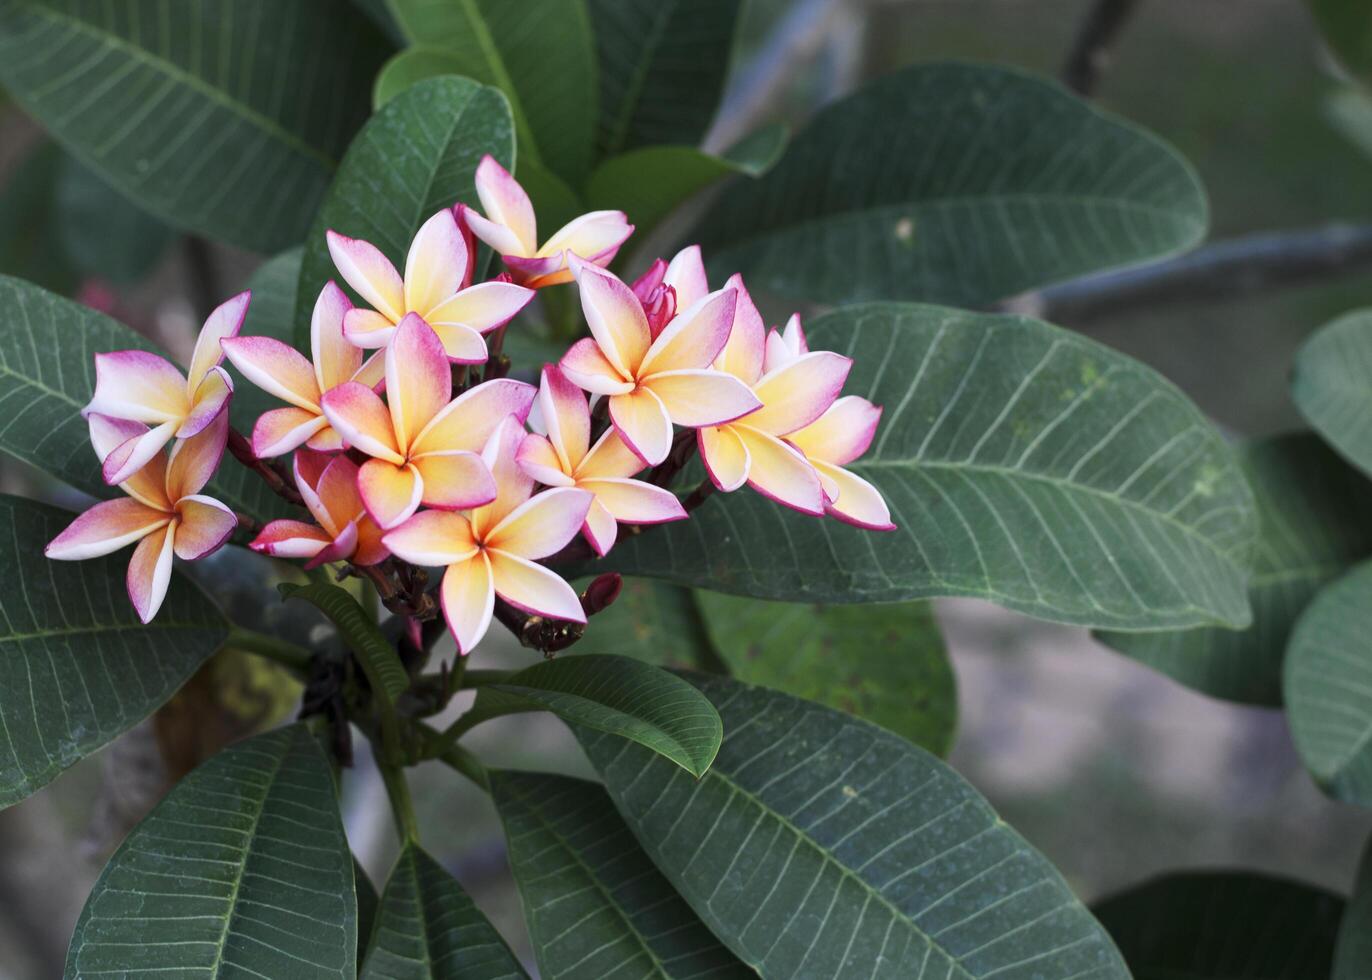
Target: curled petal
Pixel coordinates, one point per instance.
(335, 359)
(686, 274)
(610, 457)
(600, 529)
(224, 322)
(537, 458)
(148, 481)
(461, 343)
(743, 354)
(797, 393)
(779, 472)
(131, 457)
(725, 457)
(207, 403)
(539, 273)
(370, 273)
(468, 596)
(566, 416)
(282, 429)
(418, 380)
(336, 491)
(505, 203)
(695, 336)
(367, 329)
(543, 524)
(436, 263)
(468, 421)
(615, 318)
(275, 368)
(290, 539)
(455, 480)
(150, 572)
(105, 528)
(594, 236)
(696, 398)
(586, 366)
(533, 588)
(339, 549)
(142, 387)
(194, 460)
(854, 500)
(646, 286)
(370, 546)
(205, 525)
(841, 434)
(308, 467)
(482, 307)
(433, 537)
(390, 493)
(362, 420)
(643, 423)
(636, 502)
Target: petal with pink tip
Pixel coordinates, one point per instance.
(390, 493)
(148, 481)
(506, 203)
(194, 460)
(539, 273)
(224, 322)
(779, 472)
(695, 336)
(339, 549)
(645, 285)
(127, 460)
(282, 429)
(205, 525)
(432, 537)
(615, 318)
(503, 240)
(513, 485)
(543, 524)
(841, 434)
(418, 380)
(461, 343)
(686, 274)
(336, 491)
(743, 354)
(482, 307)
(468, 421)
(796, 394)
(150, 572)
(566, 416)
(643, 423)
(455, 480)
(696, 398)
(136, 385)
(367, 329)
(783, 347)
(290, 539)
(594, 236)
(601, 530)
(275, 368)
(336, 360)
(858, 502)
(586, 366)
(539, 459)
(370, 273)
(468, 596)
(105, 528)
(207, 403)
(436, 263)
(724, 456)
(362, 419)
(636, 502)
(534, 589)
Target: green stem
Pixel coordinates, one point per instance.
(401, 806)
(469, 765)
(319, 575)
(284, 652)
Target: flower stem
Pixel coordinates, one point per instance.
(284, 652)
(273, 476)
(401, 805)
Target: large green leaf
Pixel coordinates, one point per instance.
(626, 697)
(538, 52)
(662, 68)
(1022, 463)
(1223, 926)
(77, 668)
(222, 116)
(819, 845)
(418, 154)
(954, 184)
(427, 928)
(1328, 686)
(595, 905)
(47, 375)
(884, 663)
(1353, 952)
(241, 871)
(653, 622)
(1332, 385)
(1347, 27)
(1314, 522)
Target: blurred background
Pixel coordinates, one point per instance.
(1113, 771)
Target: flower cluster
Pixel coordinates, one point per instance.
(423, 452)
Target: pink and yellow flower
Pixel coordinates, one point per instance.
(424, 443)
(836, 438)
(344, 531)
(654, 382)
(566, 458)
(436, 286)
(509, 227)
(136, 386)
(164, 511)
(282, 371)
(493, 550)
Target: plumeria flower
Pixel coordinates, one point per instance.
(785, 346)
(566, 458)
(653, 383)
(282, 371)
(509, 228)
(836, 438)
(424, 446)
(344, 531)
(137, 386)
(493, 550)
(164, 511)
(436, 286)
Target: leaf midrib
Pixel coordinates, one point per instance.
(639, 77)
(113, 628)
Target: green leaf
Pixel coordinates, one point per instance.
(1332, 385)
(224, 117)
(77, 668)
(819, 845)
(429, 929)
(1314, 522)
(662, 69)
(1353, 951)
(242, 870)
(418, 154)
(367, 902)
(649, 183)
(377, 656)
(595, 905)
(1022, 464)
(886, 663)
(634, 700)
(954, 184)
(653, 622)
(538, 52)
(105, 233)
(1223, 926)
(1347, 29)
(270, 314)
(47, 375)
(31, 245)
(1328, 686)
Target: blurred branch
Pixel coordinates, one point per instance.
(1222, 270)
(1090, 54)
